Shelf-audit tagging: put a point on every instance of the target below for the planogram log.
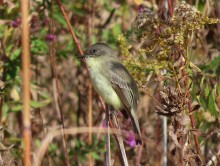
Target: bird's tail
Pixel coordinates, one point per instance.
(136, 126)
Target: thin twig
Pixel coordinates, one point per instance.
(108, 152)
(89, 34)
(90, 120)
(118, 136)
(119, 139)
(38, 111)
(139, 155)
(26, 81)
(108, 19)
(164, 141)
(213, 159)
(70, 27)
(56, 85)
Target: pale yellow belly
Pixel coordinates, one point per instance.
(105, 90)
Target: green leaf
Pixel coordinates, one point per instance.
(16, 54)
(16, 108)
(117, 30)
(218, 89)
(5, 111)
(39, 46)
(207, 91)
(79, 11)
(211, 104)
(96, 156)
(59, 17)
(39, 104)
(203, 102)
(213, 66)
(52, 148)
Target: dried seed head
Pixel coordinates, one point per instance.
(171, 101)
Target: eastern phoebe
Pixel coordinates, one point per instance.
(113, 83)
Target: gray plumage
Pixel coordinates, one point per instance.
(113, 82)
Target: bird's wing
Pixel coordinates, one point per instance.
(124, 85)
(126, 88)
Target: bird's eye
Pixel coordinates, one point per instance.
(94, 51)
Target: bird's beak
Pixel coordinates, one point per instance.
(82, 56)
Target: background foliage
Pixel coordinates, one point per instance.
(175, 61)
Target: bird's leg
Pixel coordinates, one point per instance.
(108, 153)
(119, 137)
(112, 112)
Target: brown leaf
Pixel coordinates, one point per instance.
(184, 120)
(2, 147)
(173, 136)
(195, 106)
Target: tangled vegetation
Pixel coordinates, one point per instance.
(172, 52)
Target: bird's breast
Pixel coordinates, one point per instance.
(103, 86)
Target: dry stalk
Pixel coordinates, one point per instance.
(26, 81)
(89, 34)
(56, 86)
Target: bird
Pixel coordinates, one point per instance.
(112, 81)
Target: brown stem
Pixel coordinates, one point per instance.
(115, 124)
(188, 97)
(171, 4)
(180, 140)
(184, 73)
(38, 110)
(108, 148)
(193, 126)
(26, 81)
(57, 95)
(90, 120)
(89, 34)
(70, 27)
(1, 106)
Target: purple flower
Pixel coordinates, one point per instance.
(16, 23)
(103, 123)
(51, 37)
(140, 8)
(131, 139)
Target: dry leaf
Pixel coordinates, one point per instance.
(173, 136)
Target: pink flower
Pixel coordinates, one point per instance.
(51, 37)
(103, 123)
(16, 23)
(130, 140)
(141, 8)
